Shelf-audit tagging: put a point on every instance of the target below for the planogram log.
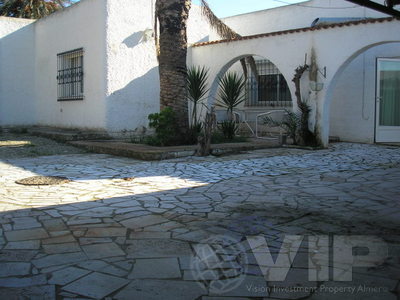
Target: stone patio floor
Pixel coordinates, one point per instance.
(179, 229)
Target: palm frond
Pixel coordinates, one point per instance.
(229, 34)
(222, 29)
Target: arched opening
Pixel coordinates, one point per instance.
(266, 91)
(351, 99)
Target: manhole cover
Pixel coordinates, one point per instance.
(43, 180)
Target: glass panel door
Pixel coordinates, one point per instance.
(388, 101)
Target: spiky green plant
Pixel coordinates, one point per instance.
(231, 92)
(197, 89)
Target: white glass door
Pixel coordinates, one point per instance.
(388, 101)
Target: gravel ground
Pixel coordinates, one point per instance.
(21, 145)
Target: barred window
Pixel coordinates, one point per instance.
(70, 75)
(270, 89)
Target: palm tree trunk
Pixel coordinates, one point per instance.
(172, 16)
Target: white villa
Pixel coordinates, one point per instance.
(93, 66)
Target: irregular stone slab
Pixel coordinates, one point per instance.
(24, 281)
(25, 223)
(25, 235)
(103, 267)
(102, 250)
(96, 285)
(59, 259)
(138, 235)
(54, 224)
(151, 248)
(45, 292)
(65, 238)
(194, 236)
(25, 245)
(67, 275)
(106, 232)
(158, 268)
(83, 221)
(61, 248)
(17, 255)
(139, 222)
(161, 289)
(88, 241)
(14, 269)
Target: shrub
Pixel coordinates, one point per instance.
(228, 129)
(165, 126)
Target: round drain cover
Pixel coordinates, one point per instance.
(43, 180)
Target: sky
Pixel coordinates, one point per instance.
(225, 8)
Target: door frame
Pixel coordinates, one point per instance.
(377, 102)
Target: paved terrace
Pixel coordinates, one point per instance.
(126, 229)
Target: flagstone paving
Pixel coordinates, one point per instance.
(180, 229)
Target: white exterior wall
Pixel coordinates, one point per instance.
(295, 16)
(17, 100)
(352, 110)
(79, 26)
(132, 67)
(132, 73)
(287, 53)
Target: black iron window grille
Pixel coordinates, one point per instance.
(270, 89)
(70, 75)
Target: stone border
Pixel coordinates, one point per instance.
(146, 152)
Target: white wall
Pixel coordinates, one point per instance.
(81, 25)
(132, 67)
(287, 52)
(17, 101)
(352, 111)
(295, 16)
(121, 82)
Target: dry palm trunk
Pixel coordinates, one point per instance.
(204, 141)
(172, 16)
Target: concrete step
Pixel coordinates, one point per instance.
(66, 135)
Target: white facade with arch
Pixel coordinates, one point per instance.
(287, 51)
(121, 73)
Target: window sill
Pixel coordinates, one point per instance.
(70, 99)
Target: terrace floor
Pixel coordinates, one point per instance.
(182, 228)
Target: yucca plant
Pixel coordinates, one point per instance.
(231, 92)
(228, 129)
(197, 88)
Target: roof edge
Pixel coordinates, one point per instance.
(298, 30)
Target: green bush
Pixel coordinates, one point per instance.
(228, 129)
(219, 138)
(165, 126)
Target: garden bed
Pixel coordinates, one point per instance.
(146, 152)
